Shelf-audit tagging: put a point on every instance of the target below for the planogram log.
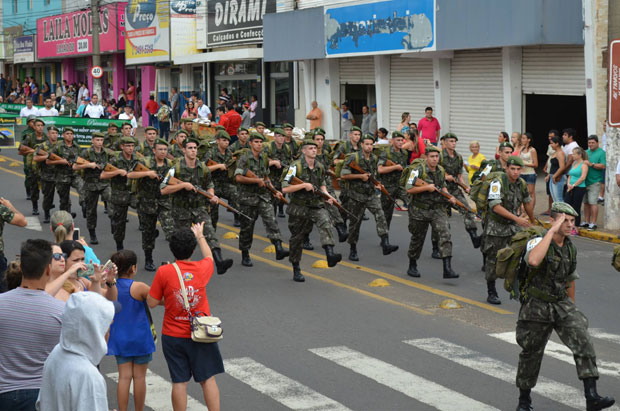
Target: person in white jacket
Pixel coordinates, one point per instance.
(71, 380)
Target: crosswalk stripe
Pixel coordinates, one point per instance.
(158, 392)
(282, 389)
(562, 353)
(400, 380)
(33, 223)
(603, 335)
(475, 360)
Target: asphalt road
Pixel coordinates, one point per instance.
(335, 342)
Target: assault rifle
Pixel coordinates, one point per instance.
(324, 196)
(355, 167)
(419, 183)
(269, 187)
(25, 150)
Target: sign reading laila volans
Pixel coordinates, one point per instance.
(231, 22)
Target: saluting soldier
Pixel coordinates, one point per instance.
(344, 149)
(125, 161)
(152, 205)
(224, 187)
(47, 172)
(307, 208)
(507, 194)
(242, 140)
(280, 156)
(24, 136)
(548, 303)
(255, 199)
(389, 175)
(94, 187)
(147, 147)
(66, 178)
(175, 150)
(112, 137)
(33, 140)
(189, 206)
(289, 140)
(363, 195)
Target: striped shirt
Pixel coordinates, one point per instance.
(29, 330)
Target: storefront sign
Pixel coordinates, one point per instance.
(201, 24)
(72, 33)
(614, 83)
(83, 128)
(147, 32)
(236, 22)
(23, 49)
(383, 27)
(183, 27)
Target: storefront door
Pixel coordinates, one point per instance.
(239, 78)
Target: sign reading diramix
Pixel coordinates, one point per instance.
(83, 128)
(236, 21)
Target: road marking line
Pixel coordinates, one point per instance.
(32, 223)
(562, 353)
(280, 388)
(553, 390)
(603, 335)
(158, 391)
(400, 380)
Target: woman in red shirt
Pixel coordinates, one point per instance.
(414, 145)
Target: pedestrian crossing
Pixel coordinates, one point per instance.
(476, 366)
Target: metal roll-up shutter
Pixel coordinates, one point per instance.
(556, 70)
(411, 88)
(357, 70)
(476, 99)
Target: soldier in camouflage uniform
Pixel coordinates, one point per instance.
(33, 140)
(390, 175)
(112, 137)
(426, 206)
(345, 148)
(289, 140)
(307, 208)
(502, 220)
(175, 151)
(47, 172)
(548, 303)
(125, 161)
(69, 108)
(25, 136)
(66, 178)
(363, 195)
(94, 187)
(242, 140)
(260, 128)
(147, 147)
(8, 214)
(187, 125)
(280, 156)
(189, 206)
(151, 203)
(224, 188)
(255, 199)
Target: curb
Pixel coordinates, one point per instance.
(593, 234)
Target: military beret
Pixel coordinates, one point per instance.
(127, 140)
(64, 130)
(449, 135)
(356, 128)
(190, 140)
(260, 123)
(151, 128)
(39, 121)
(562, 207)
(30, 118)
(161, 141)
(287, 125)
(397, 134)
(320, 131)
(220, 128)
(505, 144)
(242, 129)
(431, 149)
(309, 134)
(222, 134)
(97, 134)
(308, 142)
(187, 120)
(514, 161)
(279, 131)
(181, 132)
(49, 128)
(368, 136)
(112, 125)
(256, 136)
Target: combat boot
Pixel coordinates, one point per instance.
(307, 245)
(148, 260)
(246, 261)
(343, 234)
(119, 246)
(332, 258)
(475, 238)
(492, 297)
(93, 237)
(353, 253)
(281, 211)
(46, 216)
(281, 253)
(436, 255)
(35, 208)
(413, 268)
(525, 400)
(83, 205)
(105, 207)
(447, 268)
(221, 264)
(594, 401)
(387, 247)
(236, 222)
(297, 275)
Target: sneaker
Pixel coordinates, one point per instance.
(584, 225)
(591, 226)
(574, 232)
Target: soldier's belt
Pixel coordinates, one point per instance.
(426, 206)
(543, 296)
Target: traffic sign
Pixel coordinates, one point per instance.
(96, 72)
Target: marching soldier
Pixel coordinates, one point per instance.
(348, 147)
(389, 175)
(33, 140)
(362, 195)
(280, 156)
(187, 125)
(112, 138)
(548, 303)
(189, 206)
(94, 187)
(147, 147)
(25, 136)
(151, 203)
(47, 172)
(242, 140)
(260, 128)
(307, 208)
(506, 196)
(426, 207)
(293, 145)
(124, 162)
(176, 150)
(68, 152)
(255, 199)
(224, 188)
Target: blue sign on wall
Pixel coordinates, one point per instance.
(384, 27)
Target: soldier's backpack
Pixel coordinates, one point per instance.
(415, 164)
(479, 189)
(340, 165)
(615, 259)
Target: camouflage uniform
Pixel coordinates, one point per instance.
(498, 230)
(121, 195)
(112, 142)
(294, 148)
(255, 200)
(284, 155)
(68, 109)
(65, 176)
(547, 307)
(390, 180)
(236, 146)
(34, 176)
(48, 179)
(345, 149)
(334, 212)
(26, 136)
(152, 205)
(224, 188)
(427, 208)
(176, 151)
(94, 187)
(146, 150)
(454, 166)
(6, 216)
(363, 195)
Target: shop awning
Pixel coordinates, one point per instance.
(223, 55)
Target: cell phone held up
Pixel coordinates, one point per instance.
(76, 234)
(90, 270)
